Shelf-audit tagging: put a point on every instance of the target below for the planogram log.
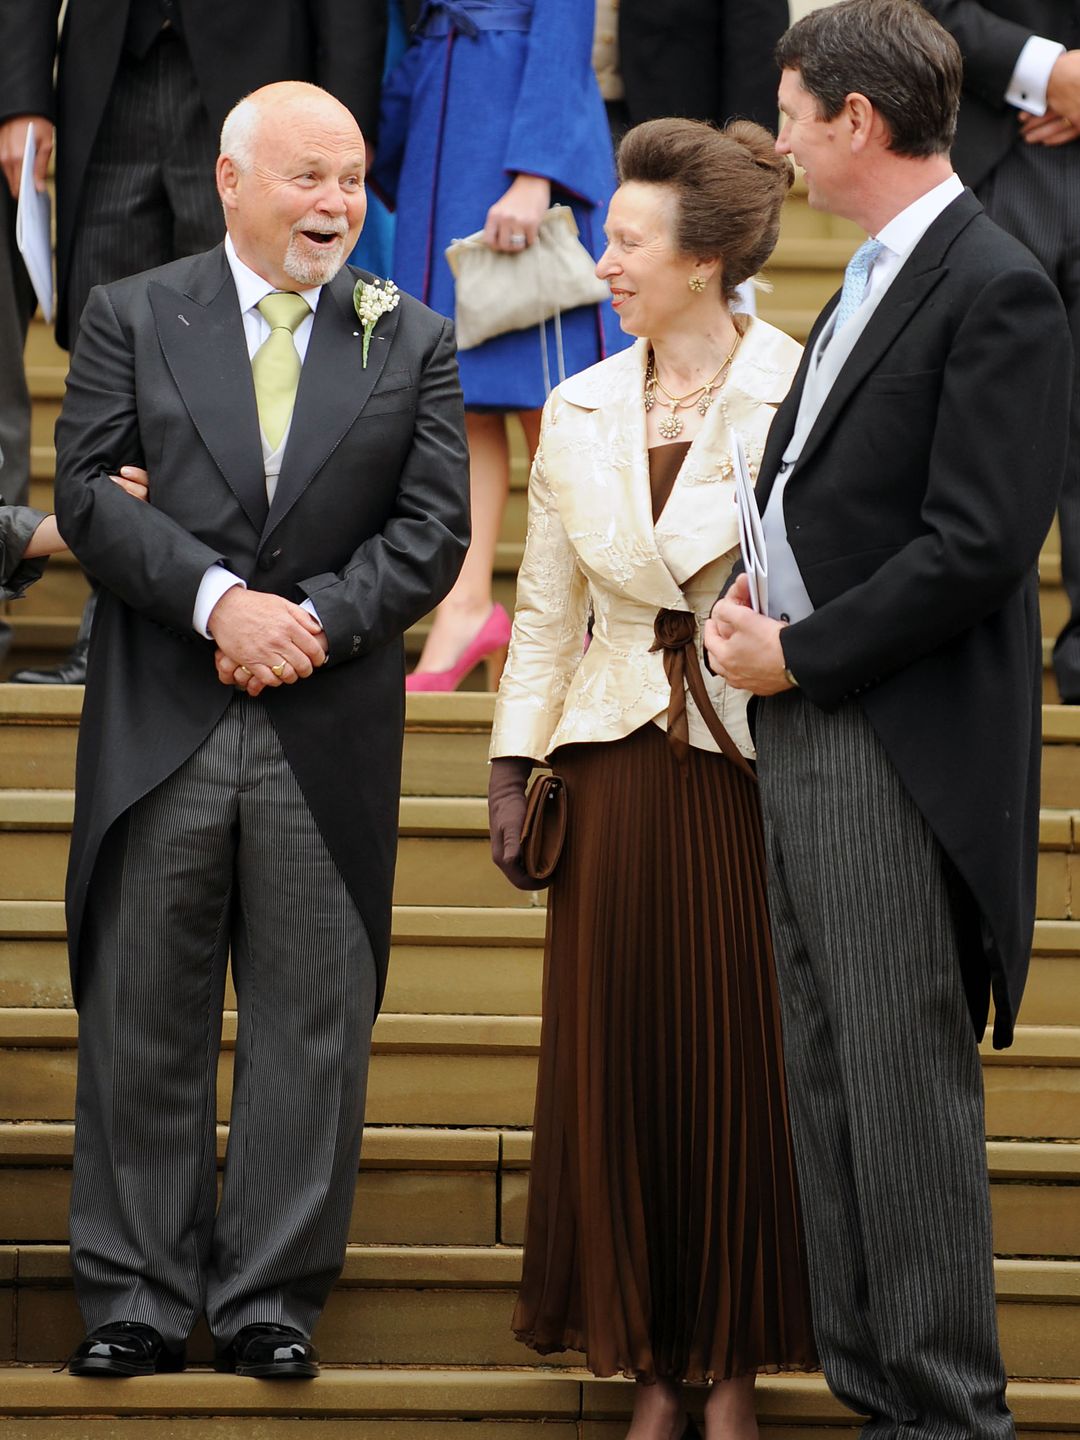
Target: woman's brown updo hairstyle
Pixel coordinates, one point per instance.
(729, 186)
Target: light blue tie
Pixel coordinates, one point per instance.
(856, 282)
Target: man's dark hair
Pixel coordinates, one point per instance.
(893, 52)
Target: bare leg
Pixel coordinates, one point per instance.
(658, 1412)
(468, 604)
(729, 1410)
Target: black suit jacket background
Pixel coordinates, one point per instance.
(916, 513)
(705, 59)
(991, 35)
(235, 46)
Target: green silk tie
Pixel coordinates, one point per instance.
(275, 366)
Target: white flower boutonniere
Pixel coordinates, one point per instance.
(371, 302)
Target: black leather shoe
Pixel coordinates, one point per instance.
(70, 671)
(123, 1347)
(269, 1352)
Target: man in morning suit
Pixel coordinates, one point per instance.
(239, 760)
(1016, 146)
(141, 89)
(908, 482)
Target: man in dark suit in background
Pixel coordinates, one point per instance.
(141, 89)
(705, 59)
(907, 485)
(310, 502)
(1017, 147)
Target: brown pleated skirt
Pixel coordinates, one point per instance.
(663, 1235)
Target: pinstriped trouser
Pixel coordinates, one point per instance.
(884, 1083)
(148, 195)
(222, 854)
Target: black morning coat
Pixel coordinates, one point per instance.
(235, 46)
(991, 34)
(369, 521)
(916, 513)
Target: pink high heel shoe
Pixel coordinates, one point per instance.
(488, 644)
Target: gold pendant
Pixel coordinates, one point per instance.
(650, 398)
(702, 406)
(671, 427)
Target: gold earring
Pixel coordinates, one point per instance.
(697, 284)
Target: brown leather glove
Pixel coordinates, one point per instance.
(506, 812)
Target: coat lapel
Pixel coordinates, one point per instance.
(598, 448)
(334, 388)
(201, 332)
(918, 277)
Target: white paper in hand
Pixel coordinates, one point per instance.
(751, 535)
(33, 232)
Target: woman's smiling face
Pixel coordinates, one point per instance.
(642, 265)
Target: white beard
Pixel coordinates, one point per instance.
(312, 268)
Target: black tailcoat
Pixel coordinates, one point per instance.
(991, 34)
(916, 513)
(369, 521)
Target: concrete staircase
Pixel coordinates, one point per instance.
(416, 1336)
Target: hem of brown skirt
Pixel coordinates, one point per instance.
(803, 1365)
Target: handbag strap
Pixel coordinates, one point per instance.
(674, 632)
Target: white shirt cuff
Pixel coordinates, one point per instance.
(1027, 88)
(211, 588)
(307, 605)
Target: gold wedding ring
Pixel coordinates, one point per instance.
(245, 669)
(278, 669)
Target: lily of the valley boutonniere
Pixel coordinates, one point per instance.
(371, 301)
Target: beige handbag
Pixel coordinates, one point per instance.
(497, 291)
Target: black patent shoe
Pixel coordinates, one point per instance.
(123, 1348)
(269, 1352)
(70, 671)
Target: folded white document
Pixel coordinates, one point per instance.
(751, 535)
(33, 232)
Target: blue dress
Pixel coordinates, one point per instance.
(489, 89)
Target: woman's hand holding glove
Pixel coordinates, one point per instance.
(506, 812)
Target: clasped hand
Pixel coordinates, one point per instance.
(744, 647)
(264, 640)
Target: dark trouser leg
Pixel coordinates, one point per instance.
(305, 981)
(1034, 193)
(884, 1084)
(16, 307)
(151, 987)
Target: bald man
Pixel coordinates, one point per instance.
(239, 756)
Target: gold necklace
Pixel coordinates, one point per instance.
(671, 427)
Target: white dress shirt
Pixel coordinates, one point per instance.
(788, 599)
(250, 290)
(1027, 88)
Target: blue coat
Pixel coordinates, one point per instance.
(462, 114)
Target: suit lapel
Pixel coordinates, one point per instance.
(334, 388)
(201, 332)
(918, 277)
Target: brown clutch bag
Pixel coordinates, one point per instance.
(544, 829)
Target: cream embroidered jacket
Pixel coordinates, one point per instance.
(591, 541)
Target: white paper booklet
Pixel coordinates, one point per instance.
(751, 535)
(33, 233)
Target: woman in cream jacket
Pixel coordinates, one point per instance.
(662, 1235)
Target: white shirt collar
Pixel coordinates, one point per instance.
(251, 288)
(904, 231)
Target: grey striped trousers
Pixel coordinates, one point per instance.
(149, 194)
(884, 1082)
(223, 854)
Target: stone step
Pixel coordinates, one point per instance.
(480, 1070)
(360, 1403)
(467, 960)
(451, 1305)
(429, 1186)
(444, 854)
